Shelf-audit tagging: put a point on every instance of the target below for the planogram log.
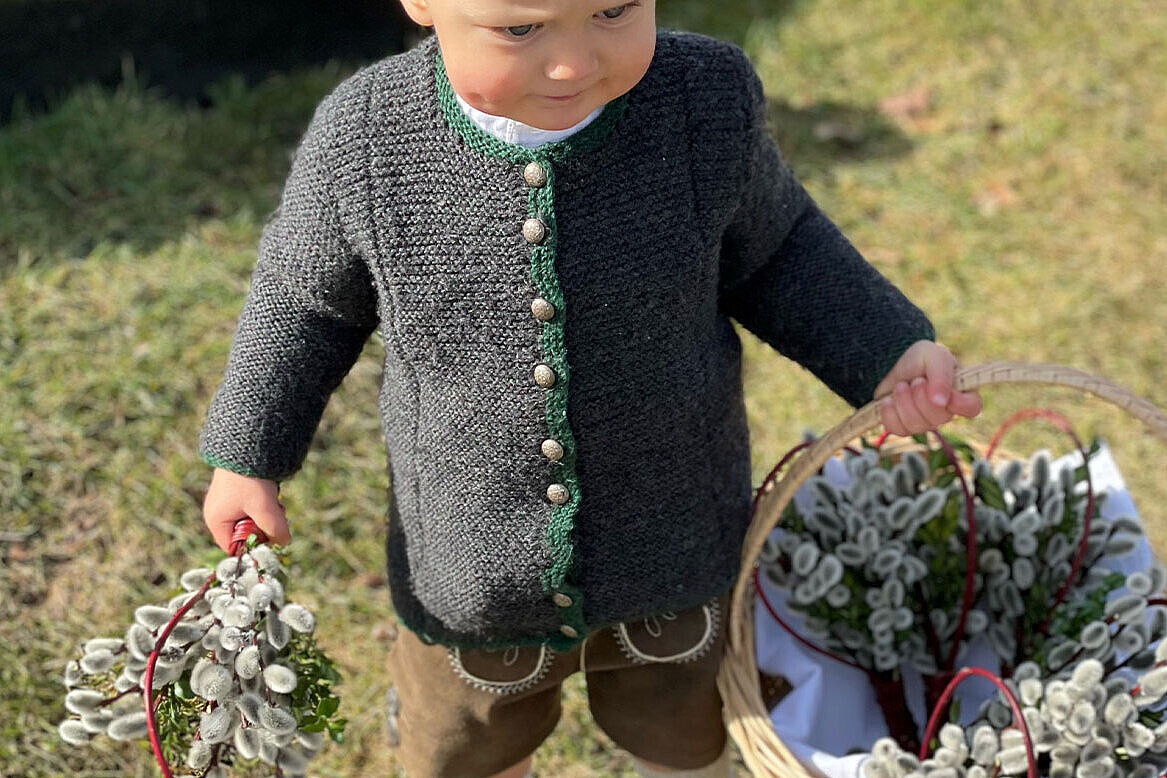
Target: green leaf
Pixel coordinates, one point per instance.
(921, 438)
(990, 492)
(316, 724)
(328, 706)
(954, 710)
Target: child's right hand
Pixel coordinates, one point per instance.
(232, 496)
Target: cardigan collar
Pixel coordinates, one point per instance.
(584, 139)
(513, 131)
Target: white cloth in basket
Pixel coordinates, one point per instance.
(831, 718)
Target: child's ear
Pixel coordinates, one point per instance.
(419, 11)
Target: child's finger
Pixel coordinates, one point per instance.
(967, 404)
(933, 415)
(906, 407)
(221, 528)
(939, 371)
(891, 417)
(269, 516)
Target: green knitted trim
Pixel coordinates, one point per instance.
(541, 203)
(588, 139)
(889, 362)
(216, 461)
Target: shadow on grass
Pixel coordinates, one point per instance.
(140, 165)
(818, 137)
(135, 169)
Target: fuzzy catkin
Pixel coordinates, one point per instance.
(128, 727)
(247, 662)
(276, 720)
(215, 725)
(97, 662)
(279, 678)
(73, 732)
(300, 618)
(247, 742)
(82, 700)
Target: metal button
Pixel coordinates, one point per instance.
(534, 174)
(542, 310)
(568, 630)
(544, 376)
(562, 600)
(534, 230)
(557, 493)
(552, 449)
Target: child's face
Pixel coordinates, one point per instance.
(546, 63)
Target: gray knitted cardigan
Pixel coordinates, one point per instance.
(561, 396)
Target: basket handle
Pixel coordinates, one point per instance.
(772, 503)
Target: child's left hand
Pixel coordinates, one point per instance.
(918, 393)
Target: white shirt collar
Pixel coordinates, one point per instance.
(511, 131)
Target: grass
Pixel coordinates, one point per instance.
(1020, 204)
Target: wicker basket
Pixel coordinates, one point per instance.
(746, 716)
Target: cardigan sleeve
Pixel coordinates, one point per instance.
(789, 276)
(310, 308)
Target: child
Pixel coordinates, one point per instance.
(550, 212)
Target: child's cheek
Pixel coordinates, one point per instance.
(493, 90)
(636, 57)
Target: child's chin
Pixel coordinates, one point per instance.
(559, 120)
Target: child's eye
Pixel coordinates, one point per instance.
(615, 12)
(520, 31)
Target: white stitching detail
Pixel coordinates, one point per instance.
(712, 611)
(546, 657)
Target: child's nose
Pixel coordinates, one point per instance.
(573, 64)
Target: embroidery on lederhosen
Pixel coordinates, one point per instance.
(392, 709)
(510, 658)
(655, 629)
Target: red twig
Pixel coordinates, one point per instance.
(116, 697)
(243, 529)
(774, 473)
(788, 628)
(758, 584)
(888, 691)
(1062, 423)
(1018, 719)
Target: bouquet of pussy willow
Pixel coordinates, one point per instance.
(225, 672)
(905, 559)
